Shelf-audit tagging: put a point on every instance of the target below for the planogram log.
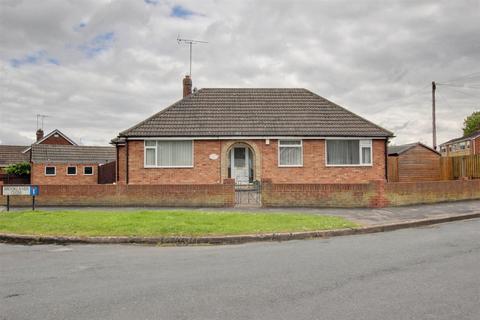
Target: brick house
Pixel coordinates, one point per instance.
(463, 146)
(283, 135)
(68, 164)
(413, 162)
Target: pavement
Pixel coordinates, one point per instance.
(364, 216)
(420, 273)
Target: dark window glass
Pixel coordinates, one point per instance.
(50, 171)
(72, 170)
(88, 170)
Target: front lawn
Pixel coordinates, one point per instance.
(161, 223)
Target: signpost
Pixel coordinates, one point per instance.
(20, 191)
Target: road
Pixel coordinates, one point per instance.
(425, 273)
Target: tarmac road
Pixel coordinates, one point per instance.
(423, 273)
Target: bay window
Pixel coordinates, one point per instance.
(290, 153)
(168, 153)
(349, 152)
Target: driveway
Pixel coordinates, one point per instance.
(422, 273)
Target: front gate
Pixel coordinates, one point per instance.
(248, 195)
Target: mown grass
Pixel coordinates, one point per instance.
(161, 223)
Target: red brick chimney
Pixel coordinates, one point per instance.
(39, 134)
(187, 86)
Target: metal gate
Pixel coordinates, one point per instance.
(248, 195)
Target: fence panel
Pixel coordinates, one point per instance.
(392, 169)
(466, 166)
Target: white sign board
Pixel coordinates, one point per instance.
(20, 190)
(213, 156)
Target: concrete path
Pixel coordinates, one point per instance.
(364, 216)
(421, 273)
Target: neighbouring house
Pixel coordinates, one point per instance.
(282, 135)
(413, 162)
(68, 164)
(462, 146)
(11, 155)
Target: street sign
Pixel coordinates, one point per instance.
(20, 191)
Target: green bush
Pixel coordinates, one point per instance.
(19, 169)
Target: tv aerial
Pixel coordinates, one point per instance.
(190, 43)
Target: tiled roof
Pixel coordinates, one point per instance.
(397, 150)
(470, 136)
(72, 154)
(13, 154)
(254, 112)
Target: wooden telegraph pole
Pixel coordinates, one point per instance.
(434, 125)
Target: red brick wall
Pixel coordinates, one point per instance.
(476, 142)
(208, 171)
(405, 193)
(56, 140)
(218, 195)
(205, 171)
(38, 176)
(314, 169)
(375, 194)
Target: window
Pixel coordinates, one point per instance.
(88, 171)
(169, 154)
(71, 171)
(50, 171)
(290, 153)
(349, 152)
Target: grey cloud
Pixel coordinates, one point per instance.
(375, 58)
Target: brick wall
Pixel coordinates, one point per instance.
(219, 195)
(317, 195)
(38, 176)
(314, 169)
(206, 170)
(374, 194)
(56, 140)
(405, 193)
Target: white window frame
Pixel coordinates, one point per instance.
(76, 171)
(88, 174)
(50, 175)
(145, 147)
(360, 145)
(290, 146)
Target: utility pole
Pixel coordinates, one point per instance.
(434, 125)
(190, 43)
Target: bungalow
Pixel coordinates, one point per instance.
(284, 135)
(462, 146)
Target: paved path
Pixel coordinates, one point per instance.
(364, 216)
(422, 273)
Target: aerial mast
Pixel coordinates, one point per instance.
(190, 42)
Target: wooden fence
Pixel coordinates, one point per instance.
(107, 173)
(454, 168)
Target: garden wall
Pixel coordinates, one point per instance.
(210, 195)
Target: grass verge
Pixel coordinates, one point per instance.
(149, 223)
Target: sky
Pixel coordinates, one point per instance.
(98, 67)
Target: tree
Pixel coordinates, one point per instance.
(471, 123)
(19, 169)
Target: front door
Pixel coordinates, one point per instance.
(239, 165)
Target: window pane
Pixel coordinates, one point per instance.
(72, 170)
(343, 152)
(150, 157)
(175, 153)
(366, 155)
(150, 143)
(290, 156)
(50, 170)
(88, 170)
(290, 142)
(239, 157)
